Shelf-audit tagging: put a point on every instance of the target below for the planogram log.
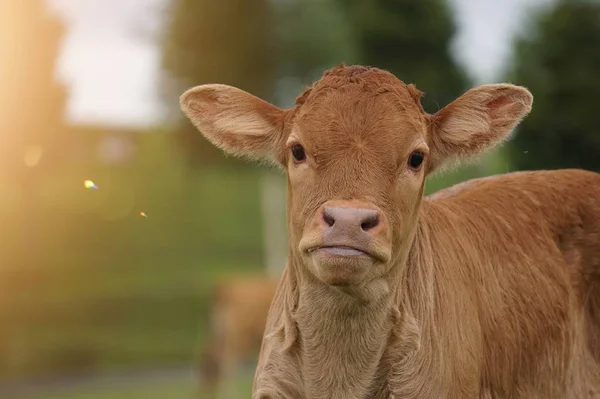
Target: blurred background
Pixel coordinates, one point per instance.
(136, 259)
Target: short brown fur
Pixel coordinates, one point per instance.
(489, 289)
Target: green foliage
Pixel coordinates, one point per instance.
(559, 62)
(206, 41)
(219, 42)
(412, 40)
(311, 36)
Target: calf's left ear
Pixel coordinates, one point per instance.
(235, 121)
(476, 121)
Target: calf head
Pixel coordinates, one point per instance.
(356, 147)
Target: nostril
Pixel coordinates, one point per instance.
(370, 222)
(328, 218)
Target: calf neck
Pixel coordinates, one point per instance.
(486, 289)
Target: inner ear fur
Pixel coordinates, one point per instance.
(477, 121)
(236, 121)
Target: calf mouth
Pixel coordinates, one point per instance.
(346, 251)
(340, 250)
(340, 265)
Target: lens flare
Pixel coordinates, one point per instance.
(90, 184)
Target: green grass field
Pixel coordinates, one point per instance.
(177, 388)
(88, 284)
(178, 385)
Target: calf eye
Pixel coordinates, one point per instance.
(298, 153)
(415, 160)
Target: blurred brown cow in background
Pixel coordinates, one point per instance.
(238, 316)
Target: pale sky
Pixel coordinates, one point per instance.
(123, 92)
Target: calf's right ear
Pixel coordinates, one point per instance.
(236, 121)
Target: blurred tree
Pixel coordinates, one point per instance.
(206, 41)
(32, 136)
(268, 47)
(32, 102)
(559, 62)
(412, 40)
(311, 36)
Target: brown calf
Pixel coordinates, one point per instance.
(490, 289)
